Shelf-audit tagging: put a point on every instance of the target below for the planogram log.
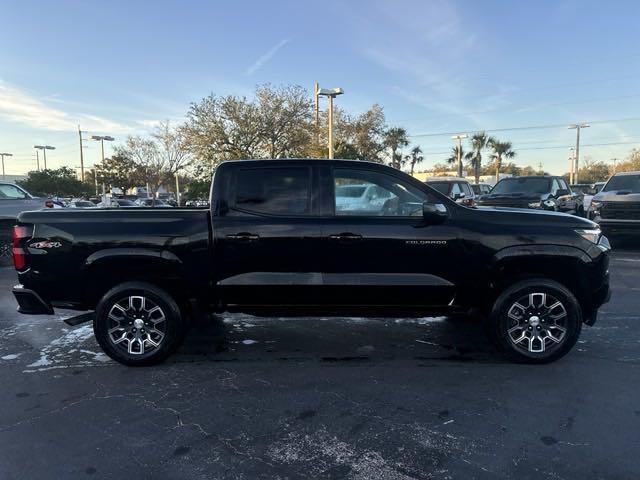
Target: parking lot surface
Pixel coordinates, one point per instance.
(335, 398)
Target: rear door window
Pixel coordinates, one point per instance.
(273, 190)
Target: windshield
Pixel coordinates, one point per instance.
(630, 183)
(523, 185)
(349, 191)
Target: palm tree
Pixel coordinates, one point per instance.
(478, 143)
(395, 138)
(453, 159)
(500, 150)
(415, 157)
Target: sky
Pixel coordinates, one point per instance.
(437, 67)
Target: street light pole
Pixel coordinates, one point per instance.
(576, 165)
(44, 149)
(101, 139)
(331, 93)
(4, 155)
(459, 138)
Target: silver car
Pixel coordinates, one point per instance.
(13, 201)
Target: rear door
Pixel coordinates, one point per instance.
(388, 256)
(267, 239)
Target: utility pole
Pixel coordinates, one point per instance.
(316, 89)
(38, 159)
(331, 94)
(4, 155)
(571, 165)
(615, 164)
(577, 127)
(177, 189)
(459, 138)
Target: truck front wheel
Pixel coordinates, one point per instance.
(535, 321)
(138, 324)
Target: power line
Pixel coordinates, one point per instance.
(511, 129)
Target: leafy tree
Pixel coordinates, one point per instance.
(345, 150)
(61, 182)
(157, 159)
(631, 163)
(500, 150)
(117, 171)
(396, 138)
(366, 133)
(285, 113)
(478, 144)
(415, 157)
(592, 171)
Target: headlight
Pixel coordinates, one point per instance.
(595, 205)
(593, 234)
(535, 205)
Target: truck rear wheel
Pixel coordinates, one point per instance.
(535, 321)
(138, 324)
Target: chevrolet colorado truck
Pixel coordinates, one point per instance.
(278, 241)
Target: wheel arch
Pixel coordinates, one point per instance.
(107, 268)
(566, 265)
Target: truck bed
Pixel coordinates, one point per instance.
(85, 251)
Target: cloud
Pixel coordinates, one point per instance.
(258, 64)
(18, 106)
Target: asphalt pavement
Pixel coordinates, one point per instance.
(253, 398)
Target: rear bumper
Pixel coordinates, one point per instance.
(30, 303)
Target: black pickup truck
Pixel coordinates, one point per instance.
(541, 192)
(289, 237)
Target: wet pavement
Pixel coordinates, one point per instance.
(335, 398)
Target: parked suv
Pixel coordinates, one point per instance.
(541, 192)
(455, 188)
(617, 206)
(275, 243)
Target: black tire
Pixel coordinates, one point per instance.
(117, 333)
(530, 333)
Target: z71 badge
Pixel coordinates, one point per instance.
(45, 244)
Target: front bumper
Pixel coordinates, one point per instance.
(613, 227)
(30, 303)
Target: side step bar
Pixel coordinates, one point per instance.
(79, 319)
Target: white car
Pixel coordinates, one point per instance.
(361, 198)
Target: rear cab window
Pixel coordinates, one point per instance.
(273, 190)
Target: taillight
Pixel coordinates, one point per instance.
(20, 233)
(48, 204)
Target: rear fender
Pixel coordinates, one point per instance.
(106, 268)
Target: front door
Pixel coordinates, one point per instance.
(267, 241)
(387, 255)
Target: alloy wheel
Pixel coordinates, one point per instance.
(137, 325)
(537, 323)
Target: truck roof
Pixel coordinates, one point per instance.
(299, 160)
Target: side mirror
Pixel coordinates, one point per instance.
(561, 192)
(434, 213)
(458, 196)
